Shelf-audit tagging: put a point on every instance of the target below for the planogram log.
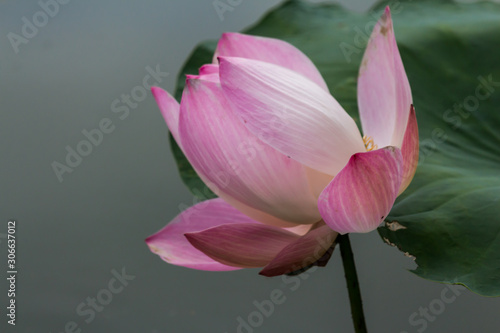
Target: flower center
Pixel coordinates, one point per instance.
(369, 144)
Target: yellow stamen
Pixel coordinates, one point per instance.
(369, 144)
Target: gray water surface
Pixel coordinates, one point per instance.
(75, 236)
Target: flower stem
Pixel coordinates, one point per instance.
(358, 317)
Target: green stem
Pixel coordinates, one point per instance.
(358, 318)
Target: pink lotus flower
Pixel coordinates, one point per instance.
(289, 165)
